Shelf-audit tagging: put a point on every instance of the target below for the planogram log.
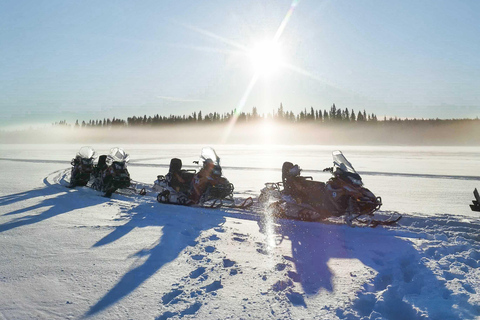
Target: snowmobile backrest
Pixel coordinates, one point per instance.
(287, 178)
(285, 170)
(102, 161)
(175, 165)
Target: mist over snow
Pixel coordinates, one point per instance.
(445, 132)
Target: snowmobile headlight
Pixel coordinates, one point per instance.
(118, 166)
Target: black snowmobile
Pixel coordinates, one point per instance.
(206, 188)
(82, 167)
(110, 172)
(300, 198)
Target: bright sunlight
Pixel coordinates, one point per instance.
(266, 57)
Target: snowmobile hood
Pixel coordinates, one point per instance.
(86, 153)
(118, 155)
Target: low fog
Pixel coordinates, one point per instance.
(421, 133)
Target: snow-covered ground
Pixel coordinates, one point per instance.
(74, 254)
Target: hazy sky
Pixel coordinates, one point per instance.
(94, 59)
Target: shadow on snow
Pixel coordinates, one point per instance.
(400, 272)
(181, 228)
(57, 199)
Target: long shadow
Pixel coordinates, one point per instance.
(181, 227)
(399, 267)
(64, 202)
(27, 195)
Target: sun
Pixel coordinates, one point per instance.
(266, 57)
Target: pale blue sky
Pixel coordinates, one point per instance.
(94, 59)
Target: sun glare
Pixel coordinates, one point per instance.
(266, 57)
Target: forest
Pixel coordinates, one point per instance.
(332, 116)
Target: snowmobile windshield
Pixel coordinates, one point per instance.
(209, 153)
(341, 163)
(344, 169)
(86, 153)
(118, 155)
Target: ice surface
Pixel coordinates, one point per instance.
(68, 254)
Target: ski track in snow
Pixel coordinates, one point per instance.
(425, 267)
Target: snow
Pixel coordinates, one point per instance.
(71, 253)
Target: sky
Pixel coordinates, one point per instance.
(68, 60)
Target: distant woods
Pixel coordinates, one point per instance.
(307, 115)
(332, 116)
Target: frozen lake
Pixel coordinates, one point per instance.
(412, 180)
(73, 254)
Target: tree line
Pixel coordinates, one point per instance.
(332, 116)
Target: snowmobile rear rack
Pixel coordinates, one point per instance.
(217, 203)
(476, 203)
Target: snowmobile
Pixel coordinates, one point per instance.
(476, 203)
(110, 173)
(300, 198)
(82, 167)
(206, 188)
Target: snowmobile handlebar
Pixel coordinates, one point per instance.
(329, 169)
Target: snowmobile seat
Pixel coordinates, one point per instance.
(179, 179)
(101, 165)
(298, 186)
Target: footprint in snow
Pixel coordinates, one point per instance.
(227, 263)
(213, 237)
(294, 276)
(188, 311)
(210, 249)
(214, 286)
(281, 285)
(261, 248)
(296, 299)
(171, 295)
(240, 235)
(280, 266)
(198, 257)
(197, 273)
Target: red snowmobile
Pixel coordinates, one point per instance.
(206, 188)
(299, 197)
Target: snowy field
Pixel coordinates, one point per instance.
(71, 254)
